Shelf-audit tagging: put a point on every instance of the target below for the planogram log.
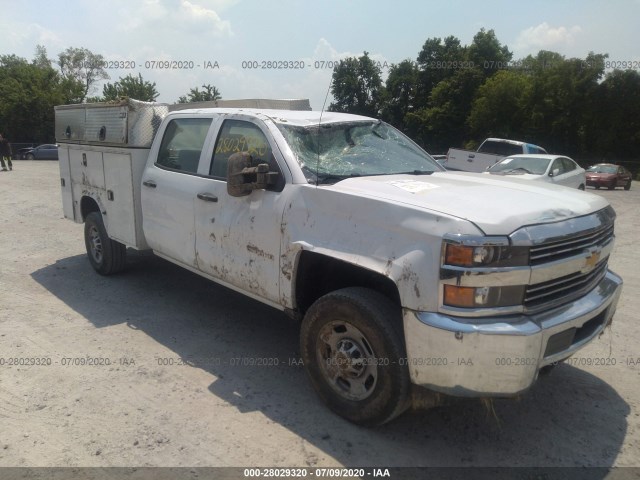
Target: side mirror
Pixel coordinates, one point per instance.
(554, 172)
(244, 175)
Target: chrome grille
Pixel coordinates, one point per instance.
(557, 250)
(563, 289)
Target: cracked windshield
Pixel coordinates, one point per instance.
(335, 151)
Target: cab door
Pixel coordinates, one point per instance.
(238, 238)
(170, 186)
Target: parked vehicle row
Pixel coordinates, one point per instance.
(490, 152)
(500, 156)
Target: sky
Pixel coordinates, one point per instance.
(221, 42)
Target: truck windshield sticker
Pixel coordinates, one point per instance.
(413, 186)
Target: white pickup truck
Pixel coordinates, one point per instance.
(491, 151)
(401, 273)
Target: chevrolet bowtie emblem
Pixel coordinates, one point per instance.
(591, 261)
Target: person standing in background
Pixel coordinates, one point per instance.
(5, 153)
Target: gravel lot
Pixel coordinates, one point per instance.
(167, 386)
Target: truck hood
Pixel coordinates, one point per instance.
(496, 205)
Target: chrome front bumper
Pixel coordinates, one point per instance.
(501, 356)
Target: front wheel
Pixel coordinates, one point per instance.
(612, 186)
(581, 187)
(628, 185)
(352, 345)
(105, 255)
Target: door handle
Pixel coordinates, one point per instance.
(149, 183)
(207, 197)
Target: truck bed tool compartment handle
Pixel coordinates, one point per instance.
(207, 197)
(149, 183)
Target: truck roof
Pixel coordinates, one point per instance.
(293, 117)
(505, 140)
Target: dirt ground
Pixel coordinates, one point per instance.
(153, 368)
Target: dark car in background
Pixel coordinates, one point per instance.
(608, 175)
(47, 151)
(21, 153)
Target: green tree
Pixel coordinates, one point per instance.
(614, 127)
(357, 87)
(443, 122)
(208, 94)
(40, 58)
(400, 95)
(132, 87)
(29, 93)
(82, 66)
(438, 60)
(487, 53)
(562, 101)
(448, 79)
(500, 108)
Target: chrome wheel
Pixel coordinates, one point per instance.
(347, 360)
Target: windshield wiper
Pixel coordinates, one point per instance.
(414, 172)
(330, 179)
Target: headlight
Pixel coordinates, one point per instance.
(464, 256)
(482, 272)
(460, 251)
(482, 297)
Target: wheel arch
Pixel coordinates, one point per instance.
(317, 274)
(88, 205)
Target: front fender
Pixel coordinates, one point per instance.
(399, 241)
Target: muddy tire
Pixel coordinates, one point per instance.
(105, 255)
(352, 345)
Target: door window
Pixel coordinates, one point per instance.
(557, 164)
(238, 136)
(182, 144)
(568, 165)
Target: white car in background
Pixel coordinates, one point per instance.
(556, 169)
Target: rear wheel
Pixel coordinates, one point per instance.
(581, 187)
(105, 255)
(30, 156)
(628, 185)
(597, 187)
(353, 350)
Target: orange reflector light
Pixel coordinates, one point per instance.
(459, 255)
(459, 296)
